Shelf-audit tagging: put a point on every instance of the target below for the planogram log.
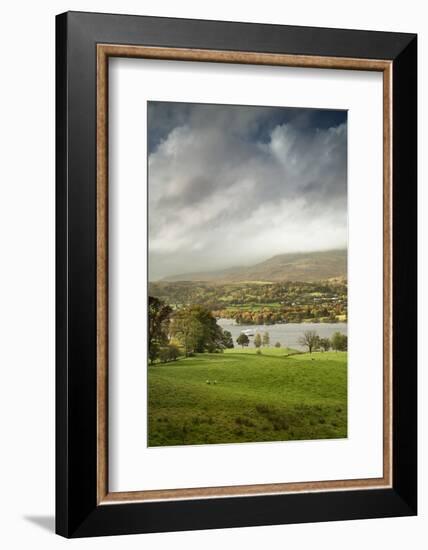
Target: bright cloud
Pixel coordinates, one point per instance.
(235, 185)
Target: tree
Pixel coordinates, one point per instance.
(339, 342)
(266, 339)
(310, 340)
(168, 353)
(197, 331)
(163, 355)
(243, 340)
(227, 339)
(325, 344)
(187, 330)
(257, 340)
(173, 352)
(277, 344)
(158, 321)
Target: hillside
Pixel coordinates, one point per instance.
(239, 396)
(304, 267)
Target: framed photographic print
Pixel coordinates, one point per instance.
(236, 274)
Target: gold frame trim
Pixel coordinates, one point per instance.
(104, 51)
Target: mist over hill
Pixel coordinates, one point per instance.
(304, 267)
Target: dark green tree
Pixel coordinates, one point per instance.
(243, 340)
(173, 352)
(266, 339)
(163, 355)
(324, 344)
(339, 342)
(158, 320)
(227, 339)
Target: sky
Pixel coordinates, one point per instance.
(235, 185)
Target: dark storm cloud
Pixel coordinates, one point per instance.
(237, 184)
(252, 123)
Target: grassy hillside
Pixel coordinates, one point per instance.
(239, 396)
(303, 266)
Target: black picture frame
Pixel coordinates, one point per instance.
(77, 511)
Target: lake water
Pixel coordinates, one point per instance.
(287, 334)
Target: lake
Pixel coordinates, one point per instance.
(287, 334)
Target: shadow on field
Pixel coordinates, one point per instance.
(275, 356)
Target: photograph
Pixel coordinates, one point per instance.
(235, 273)
(247, 274)
(201, 202)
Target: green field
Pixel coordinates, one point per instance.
(239, 396)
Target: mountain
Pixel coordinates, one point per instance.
(302, 266)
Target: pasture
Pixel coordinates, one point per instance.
(239, 396)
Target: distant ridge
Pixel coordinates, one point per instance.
(302, 266)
